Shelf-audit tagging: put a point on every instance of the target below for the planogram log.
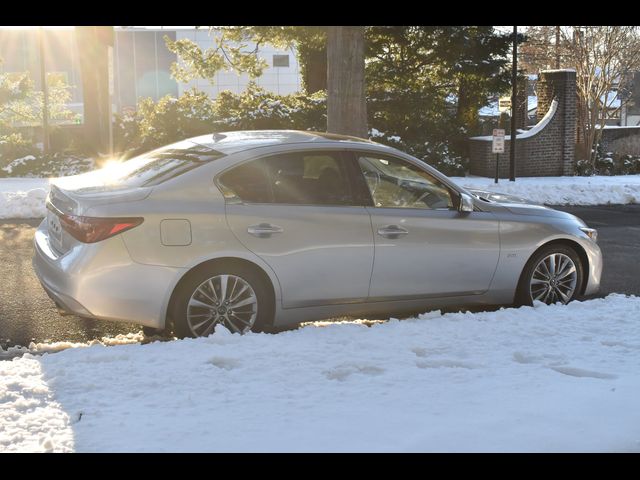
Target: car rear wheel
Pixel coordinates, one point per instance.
(235, 297)
(554, 274)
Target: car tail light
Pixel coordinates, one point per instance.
(95, 229)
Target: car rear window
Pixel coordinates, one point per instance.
(163, 164)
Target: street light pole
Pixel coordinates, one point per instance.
(45, 95)
(514, 82)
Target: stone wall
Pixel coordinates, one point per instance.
(621, 140)
(548, 149)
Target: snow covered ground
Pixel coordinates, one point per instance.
(596, 190)
(535, 379)
(24, 197)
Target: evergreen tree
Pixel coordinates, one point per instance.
(426, 83)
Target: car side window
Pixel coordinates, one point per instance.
(300, 178)
(395, 183)
(248, 182)
(309, 178)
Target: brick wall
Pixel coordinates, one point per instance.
(547, 151)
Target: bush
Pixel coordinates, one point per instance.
(584, 168)
(55, 165)
(257, 109)
(166, 121)
(194, 113)
(605, 165)
(436, 154)
(13, 146)
(610, 163)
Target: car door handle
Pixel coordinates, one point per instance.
(392, 231)
(264, 230)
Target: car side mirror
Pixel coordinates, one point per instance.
(466, 203)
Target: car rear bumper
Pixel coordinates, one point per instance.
(102, 281)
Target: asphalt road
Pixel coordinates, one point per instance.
(27, 314)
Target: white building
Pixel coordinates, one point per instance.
(141, 64)
(282, 76)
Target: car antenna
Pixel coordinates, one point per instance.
(218, 136)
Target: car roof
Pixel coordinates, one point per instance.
(237, 141)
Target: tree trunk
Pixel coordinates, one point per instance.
(313, 66)
(92, 44)
(346, 101)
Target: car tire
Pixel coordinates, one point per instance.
(538, 282)
(151, 332)
(188, 309)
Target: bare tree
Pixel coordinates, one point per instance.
(346, 101)
(542, 50)
(605, 59)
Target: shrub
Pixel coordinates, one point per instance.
(13, 146)
(165, 121)
(55, 165)
(258, 109)
(436, 154)
(605, 165)
(584, 168)
(195, 113)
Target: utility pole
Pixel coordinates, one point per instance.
(514, 84)
(45, 95)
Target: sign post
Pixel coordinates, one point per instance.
(497, 147)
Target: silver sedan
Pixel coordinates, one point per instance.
(259, 230)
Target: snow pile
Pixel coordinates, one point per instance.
(18, 162)
(41, 348)
(30, 418)
(596, 190)
(23, 197)
(544, 378)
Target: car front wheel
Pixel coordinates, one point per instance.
(554, 274)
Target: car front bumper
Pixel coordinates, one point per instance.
(594, 255)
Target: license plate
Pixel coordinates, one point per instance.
(55, 229)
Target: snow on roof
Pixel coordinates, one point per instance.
(490, 110)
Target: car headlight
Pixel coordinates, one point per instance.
(592, 233)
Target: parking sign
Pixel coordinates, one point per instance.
(497, 145)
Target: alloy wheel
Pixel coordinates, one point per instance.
(554, 279)
(223, 299)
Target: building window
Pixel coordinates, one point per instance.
(281, 60)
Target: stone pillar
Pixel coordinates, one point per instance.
(547, 149)
(561, 84)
